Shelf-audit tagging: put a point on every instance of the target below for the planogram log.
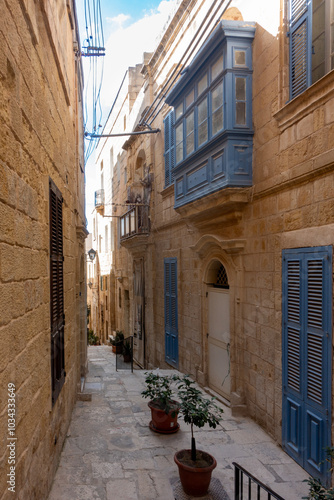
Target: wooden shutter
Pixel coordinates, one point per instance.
(169, 148)
(171, 312)
(56, 290)
(300, 46)
(307, 351)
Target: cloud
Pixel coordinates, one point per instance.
(126, 45)
(118, 20)
(124, 48)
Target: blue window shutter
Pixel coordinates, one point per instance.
(300, 46)
(171, 312)
(307, 354)
(169, 148)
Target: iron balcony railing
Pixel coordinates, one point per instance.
(135, 221)
(247, 487)
(99, 198)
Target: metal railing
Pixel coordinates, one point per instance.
(135, 221)
(246, 485)
(124, 358)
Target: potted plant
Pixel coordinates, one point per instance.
(196, 466)
(127, 351)
(164, 409)
(92, 338)
(117, 342)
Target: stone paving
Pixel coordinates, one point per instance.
(111, 454)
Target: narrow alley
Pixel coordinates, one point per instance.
(110, 453)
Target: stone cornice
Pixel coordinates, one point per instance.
(82, 233)
(205, 243)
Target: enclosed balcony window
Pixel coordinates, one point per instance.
(179, 142)
(211, 120)
(190, 139)
(202, 84)
(134, 222)
(190, 98)
(217, 102)
(240, 101)
(99, 198)
(203, 122)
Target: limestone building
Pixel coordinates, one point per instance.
(223, 211)
(42, 232)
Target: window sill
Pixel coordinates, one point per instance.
(169, 190)
(304, 104)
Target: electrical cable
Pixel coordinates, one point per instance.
(172, 79)
(163, 90)
(194, 48)
(94, 41)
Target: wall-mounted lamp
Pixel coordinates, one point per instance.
(90, 284)
(91, 254)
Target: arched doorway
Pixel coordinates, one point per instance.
(218, 334)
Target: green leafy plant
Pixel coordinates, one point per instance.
(127, 348)
(317, 490)
(118, 337)
(92, 338)
(196, 409)
(159, 390)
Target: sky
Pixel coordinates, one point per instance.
(130, 28)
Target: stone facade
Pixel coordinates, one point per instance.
(41, 120)
(240, 231)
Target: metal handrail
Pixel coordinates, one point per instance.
(239, 472)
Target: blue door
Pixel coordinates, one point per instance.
(307, 352)
(171, 323)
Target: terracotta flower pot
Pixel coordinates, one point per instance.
(195, 477)
(117, 349)
(165, 423)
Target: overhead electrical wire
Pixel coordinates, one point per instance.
(152, 110)
(93, 47)
(157, 105)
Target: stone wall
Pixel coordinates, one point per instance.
(41, 139)
(289, 205)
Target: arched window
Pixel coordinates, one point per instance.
(221, 278)
(217, 275)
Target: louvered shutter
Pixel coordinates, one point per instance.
(300, 46)
(307, 306)
(56, 291)
(171, 312)
(169, 148)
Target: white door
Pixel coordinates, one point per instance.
(139, 313)
(219, 341)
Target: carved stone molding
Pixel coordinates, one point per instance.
(209, 241)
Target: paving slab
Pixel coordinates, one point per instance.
(110, 452)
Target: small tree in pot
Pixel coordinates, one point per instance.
(196, 466)
(164, 408)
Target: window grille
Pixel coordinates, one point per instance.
(221, 279)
